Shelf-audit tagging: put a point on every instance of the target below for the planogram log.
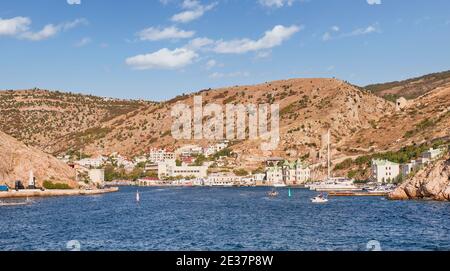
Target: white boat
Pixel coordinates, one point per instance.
(319, 199)
(279, 185)
(138, 197)
(335, 184)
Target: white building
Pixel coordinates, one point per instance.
(274, 175)
(160, 155)
(290, 173)
(221, 179)
(92, 162)
(432, 154)
(384, 171)
(406, 169)
(97, 176)
(170, 169)
(189, 150)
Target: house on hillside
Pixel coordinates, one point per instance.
(384, 171)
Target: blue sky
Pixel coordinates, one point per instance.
(157, 49)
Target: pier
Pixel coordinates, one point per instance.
(357, 194)
(55, 193)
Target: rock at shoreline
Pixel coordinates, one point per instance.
(17, 160)
(431, 182)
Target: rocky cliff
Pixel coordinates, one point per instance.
(17, 159)
(431, 182)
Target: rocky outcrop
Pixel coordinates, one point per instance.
(17, 160)
(431, 182)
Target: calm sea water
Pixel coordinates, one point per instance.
(223, 219)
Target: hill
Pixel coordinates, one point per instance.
(41, 117)
(18, 159)
(411, 88)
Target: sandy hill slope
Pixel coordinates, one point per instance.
(40, 117)
(411, 88)
(17, 160)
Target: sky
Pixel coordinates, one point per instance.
(157, 49)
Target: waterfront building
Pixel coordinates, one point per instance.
(289, 173)
(223, 179)
(295, 173)
(384, 171)
(97, 176)
(274, 175)
(170, 169)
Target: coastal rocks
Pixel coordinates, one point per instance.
(431, 182)
(17, 160)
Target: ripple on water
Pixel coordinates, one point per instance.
(223, 219)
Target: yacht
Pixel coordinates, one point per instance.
(279, 185)
(333, 183)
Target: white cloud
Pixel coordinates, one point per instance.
(193, 10)
(74, 2)
(374, 2)
(163, 59)
(276, 3)
(271, 38)
(335, 28)
(218, 75)
(172, 32)
(14, 26)
(19, 27)
(364, 31)
(199, 43)
(83, 42)
(374, 28)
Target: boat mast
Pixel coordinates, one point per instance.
(328, 156)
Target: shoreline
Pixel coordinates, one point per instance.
(55, 193)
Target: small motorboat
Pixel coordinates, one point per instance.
(272, 194)
(319, 199)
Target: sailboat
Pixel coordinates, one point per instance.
(138, 197)
(333, 183)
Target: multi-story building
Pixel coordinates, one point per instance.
(274, 175)
(170, 169)
(160, 155)
(290, 173)
(221, 179)
(92, 162)
(384, 171)
(295, 173)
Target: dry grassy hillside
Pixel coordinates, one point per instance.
(360, 122)
(411, 88)
(307, 108)
(40, 117)
(425, 118)
(17, 160)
